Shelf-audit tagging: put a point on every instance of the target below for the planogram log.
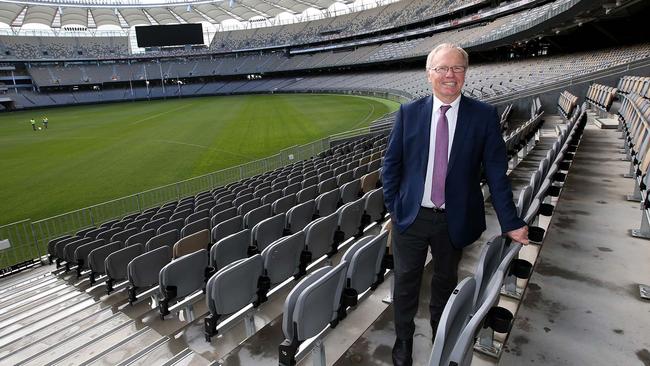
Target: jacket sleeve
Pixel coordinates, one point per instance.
(392, 168)
(495, 162)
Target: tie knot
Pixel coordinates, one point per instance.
(444, 108)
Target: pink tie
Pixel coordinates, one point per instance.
(440, 159)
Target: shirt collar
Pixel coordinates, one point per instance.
(437, 103)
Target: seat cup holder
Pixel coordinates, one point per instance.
(521, 268)
(546, 209)
(499, 319)
(536, 234)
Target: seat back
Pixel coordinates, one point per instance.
(249, 205)
(124, 234)
(230, 249)
(51, 245)
(319, 235)
(108, 234)
(327, 185)
(254, 216)
(195, 226)
(138, 223)
(154, 224)
(454, 317)
(186, 274)
(172, 225)
(117, 262)
(82, 252)
(306, 194)
(282, 257)
(143, 270)
(317, 304)
(163, 214)
(327, 202)
(220, 207)
(70, 248)
(350, 191)
(374, 204)
(349, 218)
(234, 286)
(271, 197)
(364, 261)
(182, 214)
(241, 199)
(282, 205)
(197, 215)
(168, 239)
(192, 243)
(523, 202)
(142, 237)
(227, 227)
(462, 351)
(487, 264)
(97, 257)
(222, 216)
(300, 215)
(268, 231)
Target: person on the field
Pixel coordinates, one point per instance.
(45, 122)
(33, 122)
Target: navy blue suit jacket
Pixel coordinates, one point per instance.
(477, 142)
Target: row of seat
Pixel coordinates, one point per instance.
(639, 85)
(601, 96)
(633, 117)
(522, 139)
(322, 299)
(470, 312)
(567, 103)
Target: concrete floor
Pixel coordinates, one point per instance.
(583, 306)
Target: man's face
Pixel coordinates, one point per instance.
(446, 86)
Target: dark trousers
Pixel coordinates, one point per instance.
(428, 231)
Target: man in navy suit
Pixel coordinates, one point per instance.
(431, 178)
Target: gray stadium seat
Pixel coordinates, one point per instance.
(350, 191)
(247, 206)
(254, 216)
(168, 239)
(457, 311)
(144, 269)
(166, 214)
(282, 260)
(222, 216)
(137, 224)
(172, 225)
(219, 207)
(326, 203)
(487, 264)
(197, 215)
(239, 200)
(282, 205)
(306, 194)
(108, 234)
(123, 235)
(327, 185)
(290, 189)
(374, 205)
(349, 220)
(271, 197)
(309, 308)
(70, 248)
(182, 277)
(142, 237)
(310, 181)
(343, 178)
(231, 289)
(300, 215)
(229, 249)
(226, 228)
(82, 252)
(97, 258)
(319, 235)
(51, 245)
(117, 262)
(183, 214)
(154, 224)
(195, 226)
(267, 231)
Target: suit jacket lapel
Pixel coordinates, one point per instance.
(462, 123)
(425, 118)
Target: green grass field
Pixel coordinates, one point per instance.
(92, 154)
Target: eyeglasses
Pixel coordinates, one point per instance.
(443, 69)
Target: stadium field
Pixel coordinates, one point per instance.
(92, 154)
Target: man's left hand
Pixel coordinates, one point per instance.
(519, 235)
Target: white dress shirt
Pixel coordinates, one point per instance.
(452, 118)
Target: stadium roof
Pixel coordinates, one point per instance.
(127, 13)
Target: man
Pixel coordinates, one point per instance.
(431, 179)
(45, 120)
(33, 122)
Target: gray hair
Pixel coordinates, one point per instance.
(442, 46)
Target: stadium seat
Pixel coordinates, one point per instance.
(283, 204)
(326, 203)
(117, 262)
(167, 239)
(97, 259)
(196, 226)
(229, 249)
(172, 225)
(227, 227)
(267, 231)
(299, 216)
(141, 237)
(254, 216)
(222, 216)
(144, 269)
(192, 243)
(182, 277)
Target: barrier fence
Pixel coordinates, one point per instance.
(23, 243)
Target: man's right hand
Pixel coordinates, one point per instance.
(519, 235)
